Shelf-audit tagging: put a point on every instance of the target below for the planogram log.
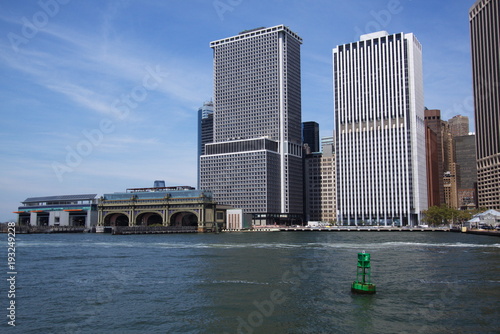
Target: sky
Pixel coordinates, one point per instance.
(101, 96)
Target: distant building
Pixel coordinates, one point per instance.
(310, 135)
(205, 130)
(255, 160)
(485, 45)
(435, 156)
(320, 187)
(380, 130)
(328, 144)
(159, 184)
(466, 170)
(459, 125)
(63, 210)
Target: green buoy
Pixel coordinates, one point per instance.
(362, 284)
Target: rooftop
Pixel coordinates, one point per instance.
(60, 199)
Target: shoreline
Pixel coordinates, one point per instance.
(72, 230)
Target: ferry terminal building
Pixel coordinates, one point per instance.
(161, 206)
(62, 210)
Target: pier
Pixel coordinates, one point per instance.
(343, 229)
(365, 229)
(126, 230)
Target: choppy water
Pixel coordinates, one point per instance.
(282, 282)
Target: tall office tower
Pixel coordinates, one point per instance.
(437, 155)
(450, 171)
(205, 130)
(380, 130)
(466, 169)
(320, 189)
(434, 178)
(310, 135)
(484, 18)
(459, 125)
(255, 161)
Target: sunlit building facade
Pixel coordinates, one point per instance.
(484, 18)
(380, 130)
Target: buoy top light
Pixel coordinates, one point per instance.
(364, 260)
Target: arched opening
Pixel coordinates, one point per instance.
(184, 219)
(116, 219)
(149, 218)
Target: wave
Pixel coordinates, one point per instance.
(187, 245)
(235, 282)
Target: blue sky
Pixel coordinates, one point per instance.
(100, 96)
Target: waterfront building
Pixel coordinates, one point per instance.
(205, 130)
(380, 130)
(310, 135)
(238, 220)
(488, 218)
(484, 18)
(59, 211)
(179, 206)
(255, 160)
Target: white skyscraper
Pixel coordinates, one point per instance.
(380, 131)
(255, 160)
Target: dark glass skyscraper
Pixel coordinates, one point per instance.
(205, 130)
(310, 135)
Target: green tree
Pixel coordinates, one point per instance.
(444, 215)
(439, 215)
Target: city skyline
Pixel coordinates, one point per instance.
(102, 98)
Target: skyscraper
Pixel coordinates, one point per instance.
(319, 183)
(466, 169)
(255, 161)
(380, 130)
(205, 130)
(484, 18)
(310, 135)
(459, 125)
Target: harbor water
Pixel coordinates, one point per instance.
(254, 282)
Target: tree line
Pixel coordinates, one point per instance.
(445, 215)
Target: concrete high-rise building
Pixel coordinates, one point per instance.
(459, 125)
(380, 130)
(484, 18)
(435, 156)
(450, 171)
(310, 135)
(320, 187)
(328, 144)
(255, 160)
(205, 130)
